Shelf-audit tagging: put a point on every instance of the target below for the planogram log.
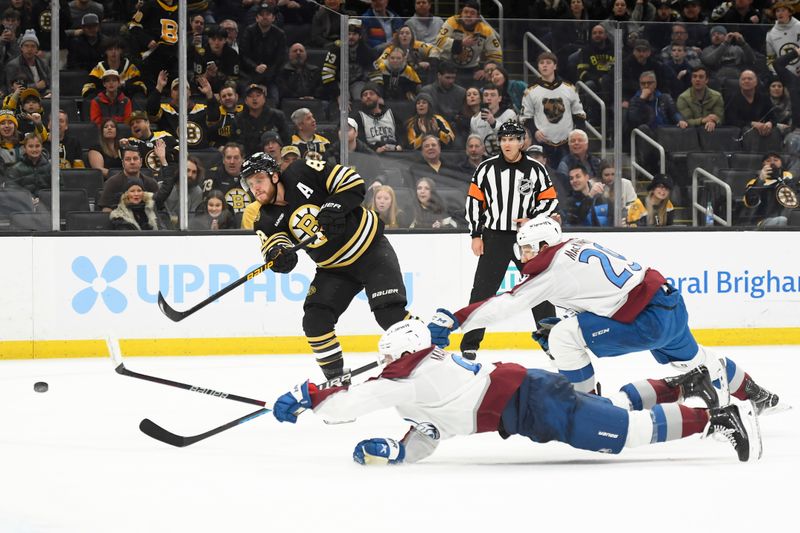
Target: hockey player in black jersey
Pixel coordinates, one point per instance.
(309, 196)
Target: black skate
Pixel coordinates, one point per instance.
(695, 384)
(765, 401)
(737, 423)
(469, 355)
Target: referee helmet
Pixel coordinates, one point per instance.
(511, 128)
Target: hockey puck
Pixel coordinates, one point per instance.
(40, 386)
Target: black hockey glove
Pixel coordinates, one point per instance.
(283, 258)
(331, 218)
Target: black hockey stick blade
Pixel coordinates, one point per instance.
(151, 429)
(176, 316)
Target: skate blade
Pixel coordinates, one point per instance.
(747, 412)
(337, 422)
(780, 408)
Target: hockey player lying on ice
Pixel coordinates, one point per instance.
(616, 306)
(445, 396)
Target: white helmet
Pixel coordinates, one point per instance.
(406, 336)
(538, 230)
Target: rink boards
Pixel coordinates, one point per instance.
(62, 295)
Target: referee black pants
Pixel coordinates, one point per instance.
(498, 251)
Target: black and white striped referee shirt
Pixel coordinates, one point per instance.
(501, 192)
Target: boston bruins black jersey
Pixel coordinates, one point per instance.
(155, 21)
(230, 186)
(167, 118)
(149, 157)
(307, 186)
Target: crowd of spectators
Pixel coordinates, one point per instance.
(428, 92)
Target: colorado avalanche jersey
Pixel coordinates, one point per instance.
(577, 274)
(433, 389)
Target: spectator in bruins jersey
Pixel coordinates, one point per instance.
(299, 78)
(10, 150)
(307, 139)
(41, 17)
(360, 63)
(85, 49)
(28, 69)
(263, 51)
(115, 185)
(399, 80)
(218, 63)
(110, 102)
(596, 63)
(469, 42)
(154, 36)
(27, 105)
(166, 114)
(657, 209)
(352, 255)
(225, 178)
(376, 123)
(773, 193)
(551, 109)
(69, 147)
(130, 80)
(220, 113)
(256, 119)
(143, 138)
(425, 122)
(419, 55)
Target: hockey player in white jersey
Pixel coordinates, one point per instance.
(616, 307)
(444, 395)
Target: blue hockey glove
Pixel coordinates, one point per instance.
(379, 452)
(331, 218)
(297, 399)
(440, 326)
(283, 257)
(542, 335)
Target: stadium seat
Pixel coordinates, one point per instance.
(69, 199)
(753, 142)
(72, 82)
(14, 201)
(794, 218)
(317, 107)
(31, 222)
(402, 111)
(316, 56)
(722, 139)
(737, 179)
(88, 179)
(68, 104)
(678, 143)
(209, 158)
(88, 220)
(711, 162)
(87, 133)
(747, 160)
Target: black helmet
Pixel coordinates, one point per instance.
(511, 128)
(258, 162)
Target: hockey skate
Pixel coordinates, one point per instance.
(695, 384)
(766, 402)
(469, 355)
(737, 424)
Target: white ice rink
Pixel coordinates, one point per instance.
(73, 460)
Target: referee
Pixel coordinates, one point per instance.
(506, 190)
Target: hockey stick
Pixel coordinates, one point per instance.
(177, 316)
(151, 429)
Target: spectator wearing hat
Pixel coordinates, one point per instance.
(380, 24)
(10, 150)
(784, 34)
(32, 171)
(166, 116)
(116, 184)
(641, 60)
(696, 23)
(377, 125)
(307, 139)
(289, 154)
(361, 59)
(354, 144)
(740, 16)
(110, 102)
(423, 23)
(425, 122)
(9, 48)
(761, 193)
(136, 209)
(28, 69)
(143, 138)
(727, 55)
(221, 112)
(659, 35)
(85, 48)
(70, 154)
(218, 62)
(225, 178)
(257, 118)
(27, 105)
(469, 42)
(78, 9)
(657, 209)
(263, 51)
(272, 144)
(130, 77)
(299, 78)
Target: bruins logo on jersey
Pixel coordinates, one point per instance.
(238, 199)
(554, 109)
(785, 50)
(45, 20)
(491, 144)
(194, 133)
(151, 160)
(303, 223)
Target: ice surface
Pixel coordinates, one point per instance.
(73, 460)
